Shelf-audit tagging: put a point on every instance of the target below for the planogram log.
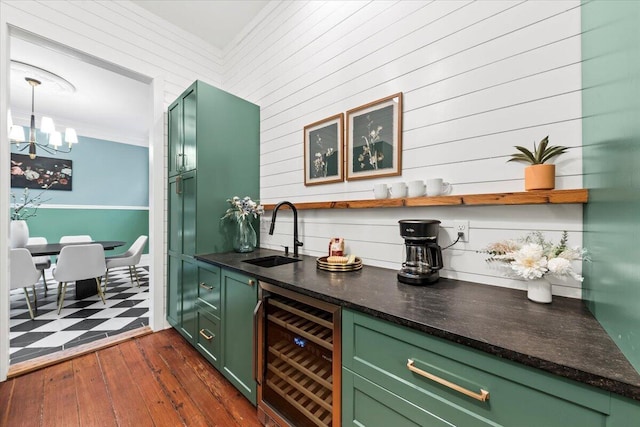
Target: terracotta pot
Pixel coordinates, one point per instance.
(540, 177)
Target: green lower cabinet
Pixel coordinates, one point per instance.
(209, 287)
(207, 339)
(174, 297)
(189, 292)
(239, 296)
(367, 404)
(181, 291)
(624, 412)
(375, 355)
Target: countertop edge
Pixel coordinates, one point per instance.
(621, 388)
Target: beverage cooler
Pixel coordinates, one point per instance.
(298, 359)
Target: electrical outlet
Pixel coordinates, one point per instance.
(461, 226)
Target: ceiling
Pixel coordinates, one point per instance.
(109, 102)
(215, 21)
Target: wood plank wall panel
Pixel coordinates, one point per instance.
(477, 77)
(125, 34)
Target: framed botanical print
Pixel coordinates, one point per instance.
(374, 139)
(323, 151)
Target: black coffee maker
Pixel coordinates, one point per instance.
(423, 256)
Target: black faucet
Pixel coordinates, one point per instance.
(296, 242)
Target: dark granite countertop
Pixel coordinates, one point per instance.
(562, 338)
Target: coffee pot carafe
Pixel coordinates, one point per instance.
(423, 256)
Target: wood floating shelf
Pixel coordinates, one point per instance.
(517, 198)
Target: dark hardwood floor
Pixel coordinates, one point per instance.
(154, 380)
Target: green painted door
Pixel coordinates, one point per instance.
(175, 138)
(174, 299)
(188, 194)
(182, 214)
(189, 122)
(182, 132)
(189, 292)
(239, 298)
(174, 220)
(367, 404)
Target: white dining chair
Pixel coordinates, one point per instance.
(43, 262)
(24, 274)
(130, 259)
(76, 239)
(79, 262)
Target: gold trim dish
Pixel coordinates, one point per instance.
(323, 264)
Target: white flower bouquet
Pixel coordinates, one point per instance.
(241, 209)
(533, 257)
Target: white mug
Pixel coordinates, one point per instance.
(416, 188)
(399, 190)
(436, 187)
(380, 191)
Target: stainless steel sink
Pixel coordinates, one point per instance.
(271, 261)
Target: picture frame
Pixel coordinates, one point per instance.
(41, 172)
(374, 139)
(324, 151)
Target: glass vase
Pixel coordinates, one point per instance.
(245, 238)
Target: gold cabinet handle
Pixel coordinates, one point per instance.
(483, 396)
(205, 286)
(252, 282)
(178, 189)
(205, 336)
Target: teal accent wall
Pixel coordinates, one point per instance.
(105, 174)
(101, 224)
(611, 166)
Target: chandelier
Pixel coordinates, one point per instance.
(53, 143)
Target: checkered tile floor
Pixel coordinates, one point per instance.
(80, 321)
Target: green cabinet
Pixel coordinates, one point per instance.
(214, 154)
(239, 298)
(389, 371)
(181, 276)
(212, 135)
(222, 323)
(181, 215)
(208, 340)
(182, 132)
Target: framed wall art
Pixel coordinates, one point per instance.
(40, 172)
(323, 151)
(374, 139)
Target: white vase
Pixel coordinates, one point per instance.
(539, 290)
(19, 233)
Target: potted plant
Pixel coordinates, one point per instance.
(539, 176)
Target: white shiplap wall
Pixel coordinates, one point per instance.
(477, 77)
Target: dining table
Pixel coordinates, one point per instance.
(84, 288)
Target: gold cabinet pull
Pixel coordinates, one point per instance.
(178, 189)
(252, 282)
(205, 336)
(483, 396)
(205, 286)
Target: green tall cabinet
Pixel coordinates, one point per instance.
(213, 155)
